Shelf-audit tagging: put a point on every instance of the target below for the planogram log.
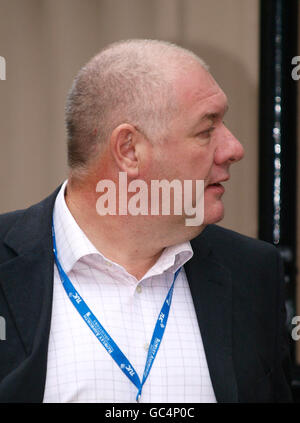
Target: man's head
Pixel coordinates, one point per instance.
(151, 109)
(127, 82)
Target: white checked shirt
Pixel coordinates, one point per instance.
(79, 369)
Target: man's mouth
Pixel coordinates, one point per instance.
(217, 187)
(218, 184)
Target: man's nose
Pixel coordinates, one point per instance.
(229, 149)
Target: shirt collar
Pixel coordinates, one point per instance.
(73, 244)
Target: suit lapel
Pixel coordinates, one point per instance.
(27, 283)
(210, 285)
(27, 279)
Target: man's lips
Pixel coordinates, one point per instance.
(218, 181)
(217, 186)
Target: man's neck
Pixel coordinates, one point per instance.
(118, 238)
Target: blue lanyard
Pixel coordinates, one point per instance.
(104, 338)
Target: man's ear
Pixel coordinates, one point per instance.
(123, 144)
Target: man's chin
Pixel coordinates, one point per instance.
(214, 216)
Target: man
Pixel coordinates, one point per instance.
(126, 308)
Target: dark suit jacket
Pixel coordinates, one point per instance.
(237, 289)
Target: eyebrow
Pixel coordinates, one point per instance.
(213, 116)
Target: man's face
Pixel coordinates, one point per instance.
(198, 146)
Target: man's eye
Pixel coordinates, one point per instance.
(205, 134)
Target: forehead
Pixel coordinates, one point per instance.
(196, 89)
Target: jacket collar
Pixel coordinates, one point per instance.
(33, 228)
(211, 289)
(27, 279)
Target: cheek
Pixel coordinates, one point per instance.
(167, 164)
(151, 164)
(179, 161)
(200, 166)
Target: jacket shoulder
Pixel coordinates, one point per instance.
(226, 237)
(7, 221)
(21, 229)
(233, 248)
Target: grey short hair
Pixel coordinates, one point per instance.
(128, 82)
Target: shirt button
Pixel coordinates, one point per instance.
(139, 289)
(146, 346)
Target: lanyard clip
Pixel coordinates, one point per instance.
(138, 398)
